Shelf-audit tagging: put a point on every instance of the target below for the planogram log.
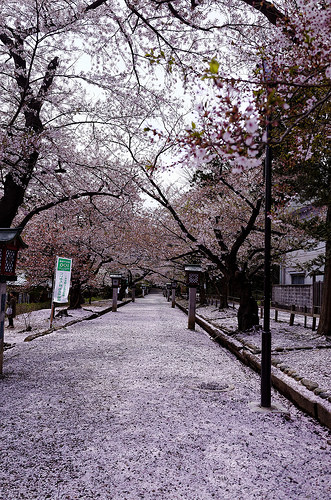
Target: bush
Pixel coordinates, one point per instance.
(35, 306)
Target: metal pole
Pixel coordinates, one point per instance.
(52, 315)
(2, 321)
(52, 299)
(266, 334)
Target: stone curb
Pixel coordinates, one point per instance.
(302, 398)
(94, 315)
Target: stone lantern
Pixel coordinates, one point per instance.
(115, 283)
(168, 288)
(10, 243)
(133, 292)
(173, 290)
(193, 279)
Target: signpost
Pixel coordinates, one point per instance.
(61, 283)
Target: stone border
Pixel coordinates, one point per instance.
(74, 321)
(287, 386)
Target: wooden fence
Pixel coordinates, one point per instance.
(301, 300)
(300, 296)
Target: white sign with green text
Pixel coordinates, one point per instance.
(62, 280)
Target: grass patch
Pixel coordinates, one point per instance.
(33, 306)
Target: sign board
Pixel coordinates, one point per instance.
(62, 280)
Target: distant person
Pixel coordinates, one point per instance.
(11, 309)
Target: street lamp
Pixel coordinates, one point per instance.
(266, 333)
(193, 278)
(10, 243)
(115, 283)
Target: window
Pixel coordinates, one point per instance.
(297, 279)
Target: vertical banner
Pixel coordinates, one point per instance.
(62, 280)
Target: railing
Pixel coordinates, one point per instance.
(213, 300)
(292, 310)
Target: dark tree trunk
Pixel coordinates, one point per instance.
(324, 326)
(30, 107)
(14, 191)
(202, 290)
(223, 292)
(76, 297)
(248, 314)
(121, 293)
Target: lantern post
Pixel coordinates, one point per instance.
(193, 278)
(115, 283)
(133, 292)
(10, 244)
(143, 289)
(173, 289)
(168, 285)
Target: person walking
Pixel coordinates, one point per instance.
(11, 310)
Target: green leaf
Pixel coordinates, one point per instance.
(213, 66)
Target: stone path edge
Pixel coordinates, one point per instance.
(302, 398)
(94, 315)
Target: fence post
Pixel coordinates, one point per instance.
(313, 327)
(305, 320)
(292, 315)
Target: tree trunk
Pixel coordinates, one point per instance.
(202, 288)
(248, 315)
(14, 191)
(76, 297)
(121, 293)
(324, 326)
(224, 292)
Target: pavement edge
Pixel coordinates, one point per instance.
(300, 398)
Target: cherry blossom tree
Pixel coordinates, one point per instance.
(286, 86)
(55, 101)
(263, 61)
(90, 234)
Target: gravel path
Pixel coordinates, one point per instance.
(122, 408)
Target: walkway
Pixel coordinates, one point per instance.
(132, 405)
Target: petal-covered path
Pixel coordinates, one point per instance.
(125, 407)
